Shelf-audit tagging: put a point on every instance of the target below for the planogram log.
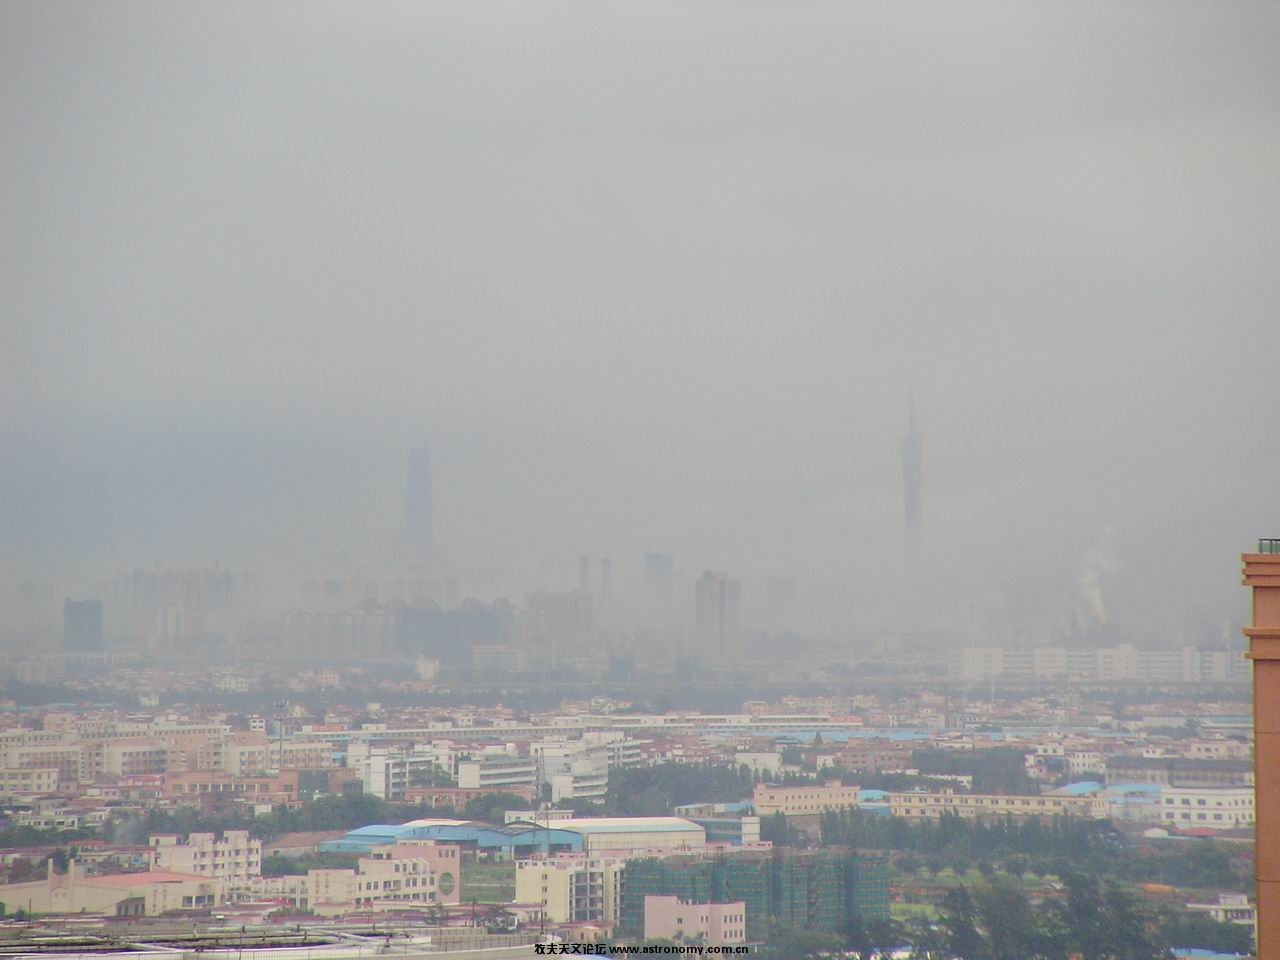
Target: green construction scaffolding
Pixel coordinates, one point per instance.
(808, 890)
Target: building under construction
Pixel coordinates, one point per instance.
(811, 890)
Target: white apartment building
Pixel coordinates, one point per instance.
(572, 887)
(134, 757)
(236, 858)
(375, 885)
(387, 772)
(573, 769)
(498, 771)
(1217, 808)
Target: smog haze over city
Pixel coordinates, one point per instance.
(648, 278)
(763, 477)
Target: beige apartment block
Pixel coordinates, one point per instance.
(236, 858)
(983, 805)
(374, 886)
(29, 782)
(572, 888)
(794, 801)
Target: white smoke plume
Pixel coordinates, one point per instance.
(1096, 564)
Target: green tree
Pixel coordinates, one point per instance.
(1007, 918)
(1128, 934)
(1084, 916)
(959, 923)
(786, 943)
(433, 776)
(1197, 930)
(492, 807)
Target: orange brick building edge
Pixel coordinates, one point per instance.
(1262, 574)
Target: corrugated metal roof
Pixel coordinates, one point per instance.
(627, 825)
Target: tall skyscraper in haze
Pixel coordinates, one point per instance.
(912, 469)
(421, 530)
(718, 614)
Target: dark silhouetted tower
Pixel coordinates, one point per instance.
(421, 533)
(912, 469)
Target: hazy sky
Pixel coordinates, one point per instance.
(649, 276)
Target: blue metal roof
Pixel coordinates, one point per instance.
(483, 835)
(380, 829)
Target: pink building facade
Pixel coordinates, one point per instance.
(713, 924)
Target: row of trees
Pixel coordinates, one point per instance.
(994, 920)
(1057, 836)
(1038, 846)
(653, 791)
(324, 813)
(1094, 922)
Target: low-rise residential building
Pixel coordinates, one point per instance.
(390, 772)
(1179, 771)
(918, 805)
(65, 757)
(148, 893)
(797, 800)
(29, 782)
(713, 924)
(378, 884)
(1229, 908)
(127, 758)
(501, 770)
(572, 888)
(574, 770)
(444, 859)
(214, 791)
(1214, 808)
(236, 858)
(873, 753)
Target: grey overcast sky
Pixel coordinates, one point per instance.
(649, 275)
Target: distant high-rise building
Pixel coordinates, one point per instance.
(421, 532)
(82, 625)
(912, 469)
(718, 614)
(606, 591)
